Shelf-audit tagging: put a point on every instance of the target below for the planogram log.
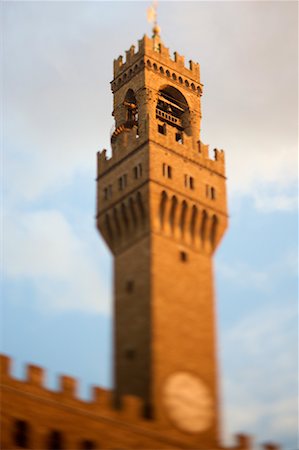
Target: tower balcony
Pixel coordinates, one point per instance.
(168, 118)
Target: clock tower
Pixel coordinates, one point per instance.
(161, 208)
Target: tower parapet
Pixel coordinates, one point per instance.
(154, 49)
(41, 411)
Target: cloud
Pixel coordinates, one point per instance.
(264, 278)
(42, 247)
(56, 114)
(260, 382)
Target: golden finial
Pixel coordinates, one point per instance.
(152, 18)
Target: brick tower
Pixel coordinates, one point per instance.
(161, 208)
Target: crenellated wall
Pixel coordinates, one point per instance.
(83, 424)
(158, 54)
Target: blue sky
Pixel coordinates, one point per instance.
(57, 272)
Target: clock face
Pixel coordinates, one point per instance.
(188, 402)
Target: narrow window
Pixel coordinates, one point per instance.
(122, 182)
(213, 193)
(189, 182)
(137, 171)
(148, 412)
(130, 353)
(167, 170)
(108, 192)
(162, 129)
(140, 169)
(55, 440)
(179, 137)
(129, 286)
(183, 256)
(21, 434)
(87, 445)
(207, 190)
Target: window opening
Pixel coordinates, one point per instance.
(179, 137)
(148, 411)
(189, 182)
(210, 192)
(88, 445)
(130, 104)
(108, 192)
(183, 256)
(130, 353)
(21, 433)
(137, 171)
(167, 170)
(55, 440)
(173, 109)
(162, 129)
(122, 182)
(130, 286)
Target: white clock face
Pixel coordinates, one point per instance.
(188, 402)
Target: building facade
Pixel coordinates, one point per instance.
(162, 210)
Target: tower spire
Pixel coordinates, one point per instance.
(152, 17)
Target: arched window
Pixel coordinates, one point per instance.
(172, 108)
(130, 104)
(55, 440)
(21, 434)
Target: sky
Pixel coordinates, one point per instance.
(56, 109)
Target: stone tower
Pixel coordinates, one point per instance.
(161, 208)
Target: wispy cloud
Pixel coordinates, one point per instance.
(43, 248)
(260, 383)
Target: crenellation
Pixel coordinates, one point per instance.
(68, 386)
(179, 59)
(5, 366)
(102, 397)
(130, 55)
(270, 446)
(151, 47)
(35, 375)
(243, 442)
(194, 67)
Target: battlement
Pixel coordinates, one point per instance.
(128, 143)
(122, 422)
(34, 383)
(154, 48)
